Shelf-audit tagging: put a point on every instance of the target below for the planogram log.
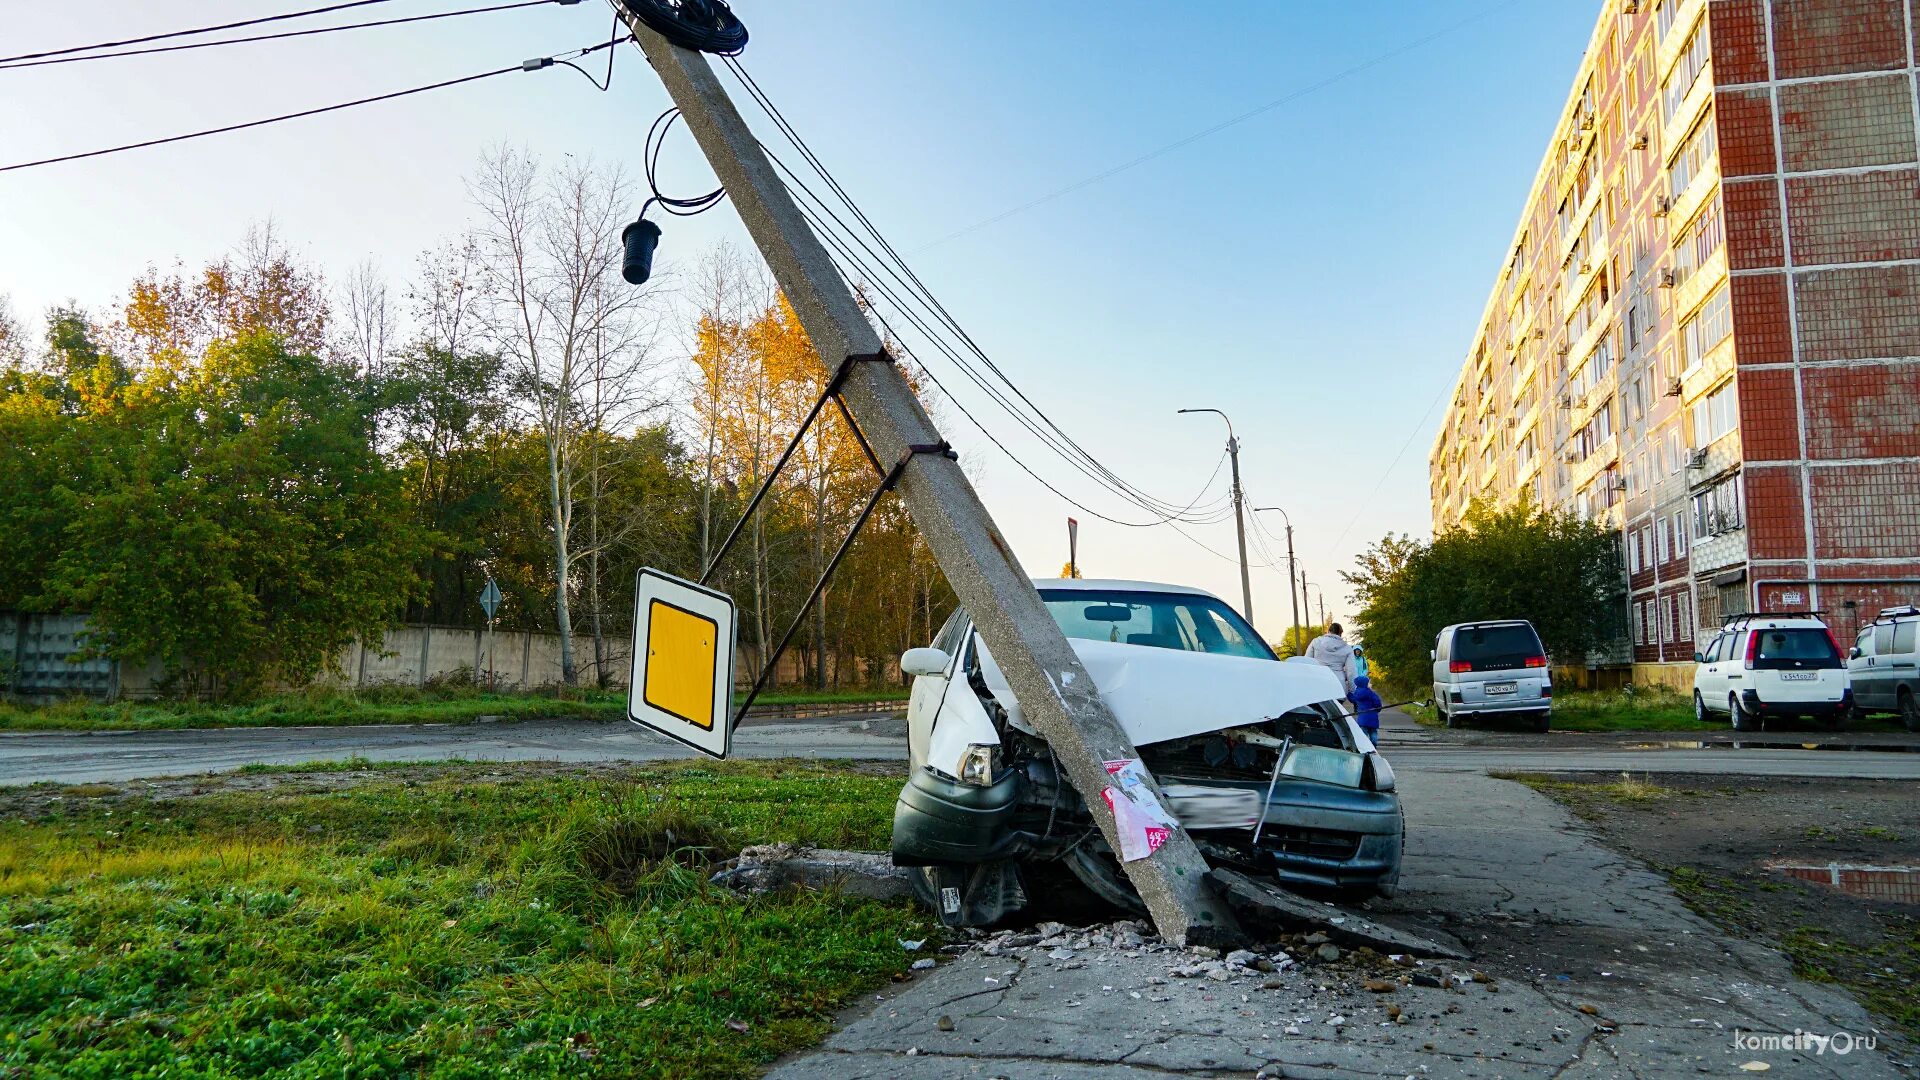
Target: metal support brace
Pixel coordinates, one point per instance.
(766, 485)
(889, 478)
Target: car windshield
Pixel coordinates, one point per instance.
(1795, 645)
(1511, 644)
(1162, 620)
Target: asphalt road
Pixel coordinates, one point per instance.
(100, 757)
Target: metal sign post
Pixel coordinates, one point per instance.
(1055, 691)
(490, 603)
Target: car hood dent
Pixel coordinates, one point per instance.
(1161, 694)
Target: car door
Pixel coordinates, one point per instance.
(1729, 665)
(1860, 673)
(1713, 677)
(1900, 667)
(1441, 680)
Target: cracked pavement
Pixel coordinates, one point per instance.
(1595, 971)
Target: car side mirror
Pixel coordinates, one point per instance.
(1699, 658)
(1854, 653)
(1433, 654)
(924, 661)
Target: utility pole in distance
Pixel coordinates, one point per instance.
(1292, 594)
(1239, 518)
(1053, 687)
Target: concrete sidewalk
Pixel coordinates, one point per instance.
(1596, 971)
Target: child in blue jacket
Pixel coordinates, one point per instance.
(1366, 707)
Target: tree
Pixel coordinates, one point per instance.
(1555, 570)
(570, 332)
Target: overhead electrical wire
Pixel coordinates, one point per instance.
(190, 33)
(1053, 435)
(527, 65)
(1259, 110)
(280, 36)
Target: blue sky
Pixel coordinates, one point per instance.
(1316, 271)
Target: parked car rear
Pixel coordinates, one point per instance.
(1783, 665)
(1884, 665)
(1493, 668)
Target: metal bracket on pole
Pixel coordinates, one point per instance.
(1055, 692)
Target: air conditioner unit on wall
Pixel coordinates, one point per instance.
(1696, 459)
(1629, 7)
(1666, 279)
(1662, 206)
(1639, 143)
(1673, 387)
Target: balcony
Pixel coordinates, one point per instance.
(1688, 294)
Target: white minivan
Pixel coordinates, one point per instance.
(1779, 665)
(1493, 668)
(1884, 665)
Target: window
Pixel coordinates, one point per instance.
(1633, 552)
(1718, 509)
(1639, 623)
(1698, 242)
(1660, 541)
(1686, 71)
(1182, 621)
(1696, 150)
(1675, 457)
(1714, 415)
(1685, 629)
(1864, 642)
(1903, 636)
(1663, 15)
(1706, 328)
(1679, 535)
(1666, 620)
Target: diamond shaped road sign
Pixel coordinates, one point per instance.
(490, 598)
(681, 684)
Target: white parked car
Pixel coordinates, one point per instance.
(1884, 665)
(1762, 665)
(1241, 743)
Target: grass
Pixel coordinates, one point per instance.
(1626, 789)
(441, 922)
(331, 707)
(1628, 709)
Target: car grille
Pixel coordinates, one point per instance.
(1190, 761)
(1317, 843)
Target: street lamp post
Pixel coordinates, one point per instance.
(1292, 594)
(1239, 519)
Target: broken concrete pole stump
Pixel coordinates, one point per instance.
(1263, 903)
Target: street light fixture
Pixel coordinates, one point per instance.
(1239, 519)
(1292, 573)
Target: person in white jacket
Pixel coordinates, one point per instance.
(1331, 651)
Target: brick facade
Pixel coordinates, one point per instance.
(1707, 331)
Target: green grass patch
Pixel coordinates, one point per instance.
(457, 921)
(1632, 708)
(1882, 976)
(330, 707)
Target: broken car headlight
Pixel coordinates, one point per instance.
(979, 764)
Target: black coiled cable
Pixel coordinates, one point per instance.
(708, 26)
(650, 158)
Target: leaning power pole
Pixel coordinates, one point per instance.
(1053, 687)
(1239, 515)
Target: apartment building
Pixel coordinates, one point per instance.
(1706, 333)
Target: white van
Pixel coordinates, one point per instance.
(1492, 668)
(1884, 665)
(1781, 664)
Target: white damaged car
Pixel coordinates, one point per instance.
(1241, 743)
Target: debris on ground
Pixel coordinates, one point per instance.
(1263, 904)
(770, 867)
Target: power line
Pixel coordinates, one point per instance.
(912, 283)
(190, 33)
(1310, 88)
(1412, 433)
(528, 65)
(70, 59)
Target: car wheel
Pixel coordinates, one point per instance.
(1699, 708)
(1742, 720)
(1909, 709)
(1542, 723)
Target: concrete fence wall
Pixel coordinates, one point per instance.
(36, 660)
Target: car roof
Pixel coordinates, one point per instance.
(1485, 622)
(1116, 585)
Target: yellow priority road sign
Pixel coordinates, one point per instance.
(681, 684)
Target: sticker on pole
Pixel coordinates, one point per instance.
(682, 680)
(1143, 824)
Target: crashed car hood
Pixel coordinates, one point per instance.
(1161, 694)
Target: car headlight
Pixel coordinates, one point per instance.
(978, 764)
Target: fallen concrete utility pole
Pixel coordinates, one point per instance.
(1047, 677)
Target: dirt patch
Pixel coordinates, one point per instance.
(1719, 840)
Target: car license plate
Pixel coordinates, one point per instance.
(1501, 687)
(1799, 676)
(1201, 807)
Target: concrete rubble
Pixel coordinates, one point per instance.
(768, 867)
